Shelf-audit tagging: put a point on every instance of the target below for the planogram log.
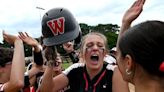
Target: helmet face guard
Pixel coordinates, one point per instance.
(59, 26)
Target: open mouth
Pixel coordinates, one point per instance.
(94, 58)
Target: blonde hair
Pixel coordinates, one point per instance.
(94, 33)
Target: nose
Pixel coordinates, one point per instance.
(95, 48)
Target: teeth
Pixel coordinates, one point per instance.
(94, 55)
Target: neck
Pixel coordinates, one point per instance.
(147, 83)
(149, 87)
(93, 72)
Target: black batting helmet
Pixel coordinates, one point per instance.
(59, 26)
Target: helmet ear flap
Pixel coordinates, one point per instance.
(77, 41)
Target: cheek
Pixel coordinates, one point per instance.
(84, 52)
(122, 67)
(119, 62)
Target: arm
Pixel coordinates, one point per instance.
(52, 84)
(38, 59)
(30, 41)
(33, 72)
(49, 84)
(130, 15)
(117, 81)
(16, 81)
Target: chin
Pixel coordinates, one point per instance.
(95, 67)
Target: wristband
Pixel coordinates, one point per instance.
(26, 79)
(38, 58)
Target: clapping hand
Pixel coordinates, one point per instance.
(10, 38)
(27, 39)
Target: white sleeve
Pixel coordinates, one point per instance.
(40, 81)
(111, 67)
(1, 87)
(73, 66)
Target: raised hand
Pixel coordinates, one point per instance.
(133, 12)
(27, 39)
(130, 15)
(50, 55)
(10, 38)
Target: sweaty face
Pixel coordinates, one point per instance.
(94, 51)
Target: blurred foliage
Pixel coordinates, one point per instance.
(109, 30)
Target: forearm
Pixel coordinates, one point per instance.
(47, 80)
(33, 72)
(18, 65)
(124, 27)
(31, 76)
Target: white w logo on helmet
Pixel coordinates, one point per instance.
(56, 25)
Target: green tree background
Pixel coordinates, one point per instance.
(109, 30)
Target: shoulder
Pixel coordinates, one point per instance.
(110, 59)
(75, 66)
(110, 67)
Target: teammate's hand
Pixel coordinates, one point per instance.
(10, 38)
(50, 55)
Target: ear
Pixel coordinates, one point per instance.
(129, 62)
